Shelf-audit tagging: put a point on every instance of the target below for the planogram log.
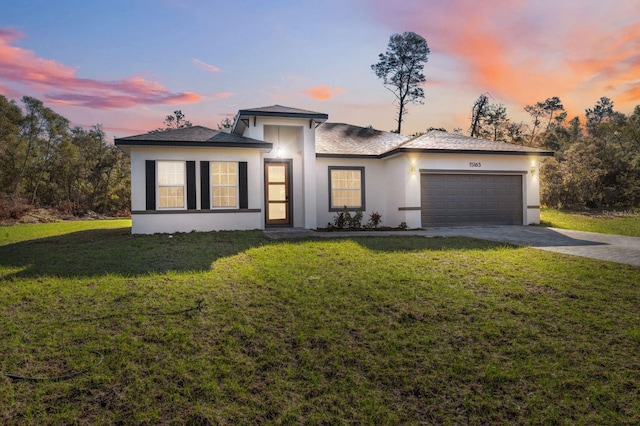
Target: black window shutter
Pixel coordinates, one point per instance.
(205, 203)
(150, 185)
(243, 186)
(191, 185)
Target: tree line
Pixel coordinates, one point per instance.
(596, 162)
(45, 162)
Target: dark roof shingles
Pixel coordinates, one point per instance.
(279, 109)
(282, 111)
(439, 140)
(345, 139)
(189, 135)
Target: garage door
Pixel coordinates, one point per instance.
(467, 199)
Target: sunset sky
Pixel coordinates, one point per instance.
(127, 64)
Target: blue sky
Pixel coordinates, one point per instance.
(127, 64)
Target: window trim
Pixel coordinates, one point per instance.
(184, 185)
(362, 189)
(236, 185)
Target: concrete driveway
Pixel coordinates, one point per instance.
(613, 248)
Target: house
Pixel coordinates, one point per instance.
(288, 167)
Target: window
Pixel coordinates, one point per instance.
(346, 188)
(171, 182)
(224, 184)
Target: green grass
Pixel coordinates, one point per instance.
(379, 330)
(625, 222)
(12, 234)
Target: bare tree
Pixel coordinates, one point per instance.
(536, 111)
(477, 113)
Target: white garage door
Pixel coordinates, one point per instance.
(468, 199)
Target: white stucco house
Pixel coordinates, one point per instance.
(287, 167)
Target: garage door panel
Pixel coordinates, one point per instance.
(450, 199)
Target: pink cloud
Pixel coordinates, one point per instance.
(9, 92)
(632, 94)
(617, 60)
(206, 66)
(525, 51)
(223, 95)
(62, 86)
(120, 100)
(323, 93)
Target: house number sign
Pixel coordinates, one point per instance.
(475, 164)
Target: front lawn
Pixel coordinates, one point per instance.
(16, 233)
(619, 222)
(380, 330)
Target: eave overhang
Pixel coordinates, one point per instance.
(398, 151)
(126, 145)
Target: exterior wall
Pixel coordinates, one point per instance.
(292, 139)
(392, 185)
(472, 163)
(148, 222)
(402, 187)
(533, 191)
(376, 186)
(187, 222)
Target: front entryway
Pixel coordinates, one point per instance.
(277, 178)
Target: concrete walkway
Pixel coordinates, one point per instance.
(613, 248)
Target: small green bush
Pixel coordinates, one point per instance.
(374, 220)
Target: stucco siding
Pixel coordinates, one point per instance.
(202, 222)
(391, 167)
(182, 221)
(375, 183)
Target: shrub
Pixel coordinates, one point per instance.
(374, 220)
(340, 220)
(344, 219)
(14, 208)
(355, 221)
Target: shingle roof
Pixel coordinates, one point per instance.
(193, 136)
(337, 139)
(193, 133)
(279, 110)
(333, 139)
(345, 139)
(437, 140)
